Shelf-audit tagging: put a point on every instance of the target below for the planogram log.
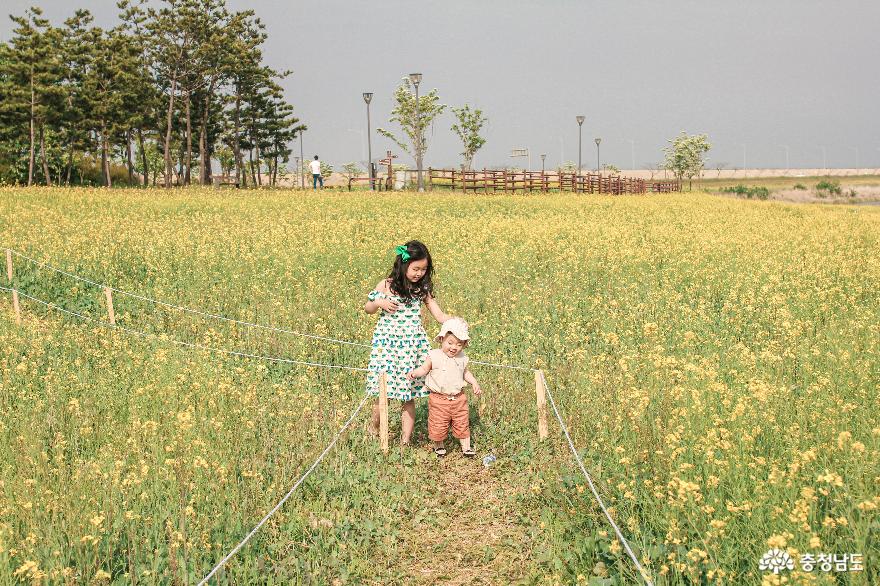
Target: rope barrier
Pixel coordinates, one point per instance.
(562, 425)
(595, 492)
(287, 496)
(225, 318)
(185, 344)
(186, 309)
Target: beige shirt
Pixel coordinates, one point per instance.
(447, 374)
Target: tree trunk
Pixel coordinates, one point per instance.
(204, 154)
(259, 168)
(128, 154)
(251, 159)
(188, 161)
(44, 158)
(239, 163)
(275, 171)
(168, 167)
(105, 156)
(144, 157)
(32, 146)
(69, 170)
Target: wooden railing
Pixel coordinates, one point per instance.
(529, 181)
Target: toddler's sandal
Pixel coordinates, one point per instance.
(469, 453)
(440, 452)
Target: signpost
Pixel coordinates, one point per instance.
(522, 153)
(387, 161)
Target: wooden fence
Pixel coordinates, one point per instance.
(528, 181)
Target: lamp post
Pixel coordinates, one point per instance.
(580, 121)
(598, 140)
(542, 163)
(368, 97)
(416, 79)
(787, 157)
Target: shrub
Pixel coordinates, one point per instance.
(800, 187)
(825, 188)
(749, 192)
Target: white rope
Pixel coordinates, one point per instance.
(287, 496)
(187, 309)
(228, 319)
(186, 344)
(526, 368)
(562, 425)
(577, 457)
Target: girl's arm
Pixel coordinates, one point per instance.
(472, 381)
(388, 305)
(435, 310)
(421, 371)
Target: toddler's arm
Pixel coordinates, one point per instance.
(421, 371)
(472, 380)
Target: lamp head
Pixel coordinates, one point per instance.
(598, 140)
(415, 78)
(368, 96)
(580, 120)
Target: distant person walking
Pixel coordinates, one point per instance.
(315, 166)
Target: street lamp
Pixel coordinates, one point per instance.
(580, 121)
(542, 163)
(368, 97)
(416, 79)
(598, 140)
(787, 158)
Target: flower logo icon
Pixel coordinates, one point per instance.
(776, 560)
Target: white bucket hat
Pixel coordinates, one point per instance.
(456, 326)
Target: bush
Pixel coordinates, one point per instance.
(800, 187)
(825, 188)
(748, 192)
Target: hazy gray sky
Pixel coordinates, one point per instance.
(801, 73)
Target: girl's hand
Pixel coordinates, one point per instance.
(388, 305)
(478, 390)
(411, 375)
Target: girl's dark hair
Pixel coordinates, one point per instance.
(400, 285)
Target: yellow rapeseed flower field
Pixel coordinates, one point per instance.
(717, 362)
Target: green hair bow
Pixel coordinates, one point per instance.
(401, 250)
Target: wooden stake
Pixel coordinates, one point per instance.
(15, 304)
(109, 295)
(541, 396)
(383, 412)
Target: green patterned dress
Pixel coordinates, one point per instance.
(400, 345)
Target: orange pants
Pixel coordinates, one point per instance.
(443, 413)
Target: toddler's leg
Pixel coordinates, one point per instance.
(461, 425)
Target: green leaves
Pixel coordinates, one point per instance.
(685, 155)
(413, 126)
(468, 126)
